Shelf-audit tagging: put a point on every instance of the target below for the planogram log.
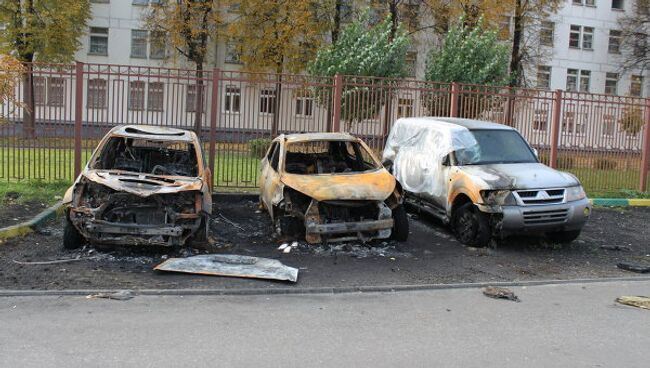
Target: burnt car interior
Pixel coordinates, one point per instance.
(327, 157)
(149, 156)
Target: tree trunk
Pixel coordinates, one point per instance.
(336, 28)
(29, 111)
(276, 101)
(394, 21)
(198, 113)
(515, 56)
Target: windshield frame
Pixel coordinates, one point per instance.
(361, 146)
(454, 161)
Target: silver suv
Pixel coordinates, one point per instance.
(483, 179)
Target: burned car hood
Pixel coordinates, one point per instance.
(143, 185)
(519, 176)
(375, 185)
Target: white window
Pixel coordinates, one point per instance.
(233, 52)
(404, 107)
(267, 101)
(96, 93)
(614, 46)
(191, 99)
(410, 62)
(609, 124)
(233, 99)
(98, 41)
(157, 48)
(640, 44)
(138, 43)
(573, 123)
(140, 2)
(581, 37)
(547, 33)
(543, 76)
(577, 80)
(155, 96)
(304, 104)
(611, 83)
(55, 91)
(636, 85)
(585, 77)
(618, 4)
(136, 95)
(585, 2)
(574, 36)
(39, 90)
(587, 38)
(540, 120)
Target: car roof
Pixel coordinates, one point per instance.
(470, 124)
(154, 132)
(304, 137)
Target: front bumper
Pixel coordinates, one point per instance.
(555, 217)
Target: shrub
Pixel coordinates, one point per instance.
(259, 146)
(605, 164)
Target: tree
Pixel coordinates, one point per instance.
(41, 30)
(366, 52)
(186, 25)
(445, 12)
(634, 47)
(280, 36)
(11, 69)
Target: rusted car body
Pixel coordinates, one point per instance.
(483, 179)
(143, 185)
(331, 187)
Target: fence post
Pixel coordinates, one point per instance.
(645, 152)
(78, 114)
(555, 126)
(453, 106)
(214, 111)
(338, 93)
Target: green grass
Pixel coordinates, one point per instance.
(32, 190)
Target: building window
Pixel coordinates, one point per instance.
(55, 91)
(155, 96)
(614, 42)
(585, 2)
(640, 44)
(636, 86)
(233, 99)
(140, 2)
(617, 4)
(578, 80)
(191, 99)
(138, 43)
(540, 120)
(96, 94)
(157, 48)
(233, 52)
(404, 107)
(410, 63)
(547, 33)
(100, 1)
(136, 95)
(267, 101)
(304, 104)
(98, 41)
(572, 124)
(574, 37)
(578, 33)
(39, 90)
(611, 83)
(609, 125)
(585, 76)
(587, 38)
(543, 76)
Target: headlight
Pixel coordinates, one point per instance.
(575, 193)
(498, 197)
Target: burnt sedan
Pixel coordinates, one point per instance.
(143, 185)
(330, 187)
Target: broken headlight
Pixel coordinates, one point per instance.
(498, 197)
(575, 193)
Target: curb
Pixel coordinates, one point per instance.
(637, 202)
(315, 290)
(32, 225)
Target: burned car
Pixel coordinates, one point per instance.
(331, 187)
(143, 185)
(484, 180)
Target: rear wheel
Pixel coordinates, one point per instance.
(400, 230)
(471, 226)
(563, 237)
(71, 237)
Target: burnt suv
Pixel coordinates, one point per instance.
(143, 185)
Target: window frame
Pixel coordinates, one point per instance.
(95, 35)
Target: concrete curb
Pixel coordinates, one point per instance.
(32, 225)
(620, 202)
(316, 290)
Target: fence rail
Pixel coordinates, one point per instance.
(65, 109)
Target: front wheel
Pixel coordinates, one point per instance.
(564, 237)
(71, 237)
(471, 226)
(400, 230)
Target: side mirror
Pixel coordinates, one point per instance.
(446, 161)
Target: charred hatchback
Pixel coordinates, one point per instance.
(143, 185)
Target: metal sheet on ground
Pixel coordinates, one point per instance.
(232, 266)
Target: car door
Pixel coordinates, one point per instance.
(270, 183)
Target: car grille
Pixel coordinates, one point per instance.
(544, 196)
(545, 217)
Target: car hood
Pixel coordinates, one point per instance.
(519, 176)
(143, 185)
(376, 185)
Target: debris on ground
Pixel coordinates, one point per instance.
(633, 267)
(231, 265)
(231, 222)
(118, 295)
(384, 249)
(635, 301)
(53, 261)
(283, 246)
(500, 293)
(615, 247)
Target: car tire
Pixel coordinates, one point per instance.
(564, 237)
(471, 226)
(400, 231)
(200, 237)
(71, 237)
(290, 226)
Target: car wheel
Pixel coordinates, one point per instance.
(201, 235)
(400, 230)
(289, 226)
(471, 226)
(564, 237)
(71, 237)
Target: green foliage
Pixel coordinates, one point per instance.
(259, 146)
(604, 164)
(469, 55)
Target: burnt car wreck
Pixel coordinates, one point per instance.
(330, 187)
(143, 185)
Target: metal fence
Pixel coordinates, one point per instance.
(65, 109)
